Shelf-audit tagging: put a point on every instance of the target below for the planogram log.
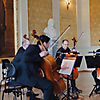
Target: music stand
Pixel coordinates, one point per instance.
(77, 63)
(66, 68)
(93, 62)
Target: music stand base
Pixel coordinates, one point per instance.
(93, 90)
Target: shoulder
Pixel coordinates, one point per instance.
(59, 49)
(33, 48)
(68, 48)
(21, 49)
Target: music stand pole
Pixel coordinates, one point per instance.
(68, 89)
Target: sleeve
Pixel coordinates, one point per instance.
(32, 54)
(18, 55)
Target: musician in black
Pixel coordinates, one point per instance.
(60, 53)
(17, 58)
(27, 72)
(94, 73)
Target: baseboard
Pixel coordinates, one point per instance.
(85, 71)
(2, 84)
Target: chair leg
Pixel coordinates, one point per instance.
(14, 97)
(32, 97)
(0, 84)
(3, 95)
(21, 95)
(92, 90)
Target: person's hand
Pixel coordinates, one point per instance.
(43, 53)
(74, 50)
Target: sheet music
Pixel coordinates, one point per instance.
(67, 66)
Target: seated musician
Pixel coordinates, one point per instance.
(94, 73)
(17, 58)
(60, 52)
(27, 72)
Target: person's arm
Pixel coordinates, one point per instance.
(32, 54)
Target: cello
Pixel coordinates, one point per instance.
(49, 67)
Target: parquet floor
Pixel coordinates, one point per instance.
(84, 82)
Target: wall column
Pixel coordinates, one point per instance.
(55, 9)
(83, 25)
(22, 19)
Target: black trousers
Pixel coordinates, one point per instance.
(94, 74)
(46, 86)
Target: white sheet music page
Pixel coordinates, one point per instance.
(67, 66)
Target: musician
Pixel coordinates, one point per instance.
(17, 58)
(94, 73)
(66, 49)
(27, 72)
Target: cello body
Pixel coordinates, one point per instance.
(75, 74)
(49, 67)
(98, 73)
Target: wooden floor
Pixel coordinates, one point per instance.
(84, 82)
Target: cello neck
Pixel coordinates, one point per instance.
(42, 45)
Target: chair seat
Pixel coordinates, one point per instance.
(14, 84)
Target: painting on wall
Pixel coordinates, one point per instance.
(6, 28)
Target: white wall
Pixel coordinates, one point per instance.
(22, 19)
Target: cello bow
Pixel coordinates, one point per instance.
(53, 44)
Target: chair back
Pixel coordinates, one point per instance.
(4, 67)
(3, 63)
(10, 69)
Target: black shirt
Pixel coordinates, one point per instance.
(59, 52)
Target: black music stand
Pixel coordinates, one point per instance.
(93, 62)
(76, 64)
(78, 61)
(66, 68)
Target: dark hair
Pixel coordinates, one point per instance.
(43, 38)
(64, 40)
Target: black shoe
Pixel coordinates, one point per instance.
(73, 90)
(38, 99)
(97, 91)
(36, 94)
(33, 97)
(76, 90)
(79, 91)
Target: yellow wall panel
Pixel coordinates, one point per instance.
(40, 11)
(95, 22)
(68, 17)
